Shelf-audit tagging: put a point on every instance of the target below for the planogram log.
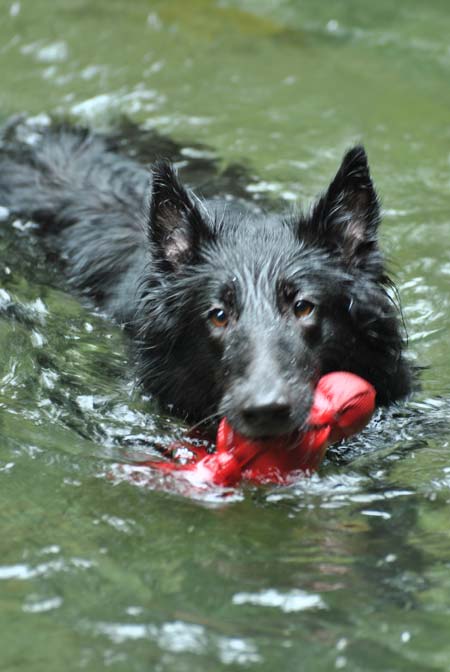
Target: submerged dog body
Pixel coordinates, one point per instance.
(233, 313)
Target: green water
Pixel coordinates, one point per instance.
(348, 570)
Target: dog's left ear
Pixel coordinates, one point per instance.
(346, 217)
(177, 224)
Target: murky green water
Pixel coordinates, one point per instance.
(349, 570)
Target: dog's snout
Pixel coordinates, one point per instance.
(266, 406)
(272, 411)
(267, 396)
(267, 414)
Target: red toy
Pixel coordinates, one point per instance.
(343, 405)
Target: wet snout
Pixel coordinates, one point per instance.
(268, 398)
(267, 409)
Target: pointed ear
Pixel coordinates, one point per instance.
(176, 225)
(346, 217)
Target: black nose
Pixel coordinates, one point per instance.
(266, 416)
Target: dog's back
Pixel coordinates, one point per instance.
(90, 200)
(232, 312)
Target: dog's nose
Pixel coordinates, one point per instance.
(267, 415)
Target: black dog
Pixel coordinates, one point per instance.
(233, 313)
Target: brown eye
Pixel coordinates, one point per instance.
(303, 308)
(218, 317)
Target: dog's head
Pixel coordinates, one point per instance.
(242, 312)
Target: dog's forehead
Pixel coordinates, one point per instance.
(255, 250)
(259, 234)
(257, 255)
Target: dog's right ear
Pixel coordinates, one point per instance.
(347, 215)
(177, 221)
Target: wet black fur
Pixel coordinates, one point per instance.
(159, 260)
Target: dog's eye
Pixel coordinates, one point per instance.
(303, 308)
(218, 317)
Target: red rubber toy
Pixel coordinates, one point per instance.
(343, 405)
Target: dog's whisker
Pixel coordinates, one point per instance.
(203, 421)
